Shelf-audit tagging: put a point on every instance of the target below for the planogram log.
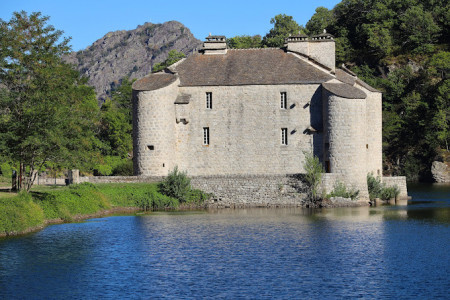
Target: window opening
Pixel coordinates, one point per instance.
(283, 100)
(205, 135)
(209, 100)
(284, 136)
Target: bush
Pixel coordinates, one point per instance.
(176, 185)
(125, 168)
(374, 186)
(379, 190)
(313, 169)
(6, 170)
(340, 190)
(389, 192)
(153, 201)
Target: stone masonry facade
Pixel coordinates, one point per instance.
(227, 115)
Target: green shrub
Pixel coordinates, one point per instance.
(313, 175)
(124, 168)
(153, 201)
(340, 190)
(197, 196)
(389, 192)
(176, 185)
(380, 190)
(374, 186)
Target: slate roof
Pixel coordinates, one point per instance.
(248, 67)
(344, 90)
(154, 81)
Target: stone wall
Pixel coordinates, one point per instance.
(244, 129)
(153, 130)
(345, 140)
(400, 182)
(252, 190)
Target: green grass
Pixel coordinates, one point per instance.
(19, 212)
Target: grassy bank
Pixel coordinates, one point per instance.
(22, 212)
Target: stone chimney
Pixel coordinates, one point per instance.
(215, 44)
(320, 48)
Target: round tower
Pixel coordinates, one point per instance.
(345, 135)
(154, 124)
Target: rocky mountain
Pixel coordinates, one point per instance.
(130, 53)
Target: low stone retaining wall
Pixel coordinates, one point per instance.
(400, 182)
(252, 190)
(119, 179)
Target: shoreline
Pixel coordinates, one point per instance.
(204, 207)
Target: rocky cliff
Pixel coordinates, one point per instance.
(130, 53)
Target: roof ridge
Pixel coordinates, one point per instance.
(267, 48)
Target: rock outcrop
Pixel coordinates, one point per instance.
(130, 53)
(441, 172)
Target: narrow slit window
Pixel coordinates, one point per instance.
(205, 135)
(284, 136)
(209, 100)
(283, 100)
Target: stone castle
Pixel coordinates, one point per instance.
(256, 112)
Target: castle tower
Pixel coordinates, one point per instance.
(154, 124)
(345, 135)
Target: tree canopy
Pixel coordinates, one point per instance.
(47, 113)
(172, 58)
(283, 26)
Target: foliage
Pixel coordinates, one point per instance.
(244, 42)
(177, 185)
(124, 168)
(340, 190)
(379, 190)
(79, 199)
(319, 21)
(27, 210)
(48, 114)
(19, 213)
(115, 130)
(283, 26)
(401, 48)
(6, 170)
(313, 176)
(153, 201)
(173, 57)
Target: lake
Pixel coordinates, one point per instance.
(381, 252)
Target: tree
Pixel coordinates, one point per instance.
(173, 57)
(283, 26)
(47, 112)
(244, 42)
(319, 21)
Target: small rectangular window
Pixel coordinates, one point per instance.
(209, 100)
(284, 136)
(283, 100)
(205, 135)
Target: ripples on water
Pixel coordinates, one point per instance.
(381, 252)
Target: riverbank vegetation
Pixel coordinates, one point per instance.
(26, 211)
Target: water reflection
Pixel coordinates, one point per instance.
(379, 252)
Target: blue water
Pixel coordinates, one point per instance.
(382, 252)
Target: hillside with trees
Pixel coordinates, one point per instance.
(401, 48)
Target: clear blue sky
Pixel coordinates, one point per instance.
(87, 21)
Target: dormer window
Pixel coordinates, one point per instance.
(208, 100)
